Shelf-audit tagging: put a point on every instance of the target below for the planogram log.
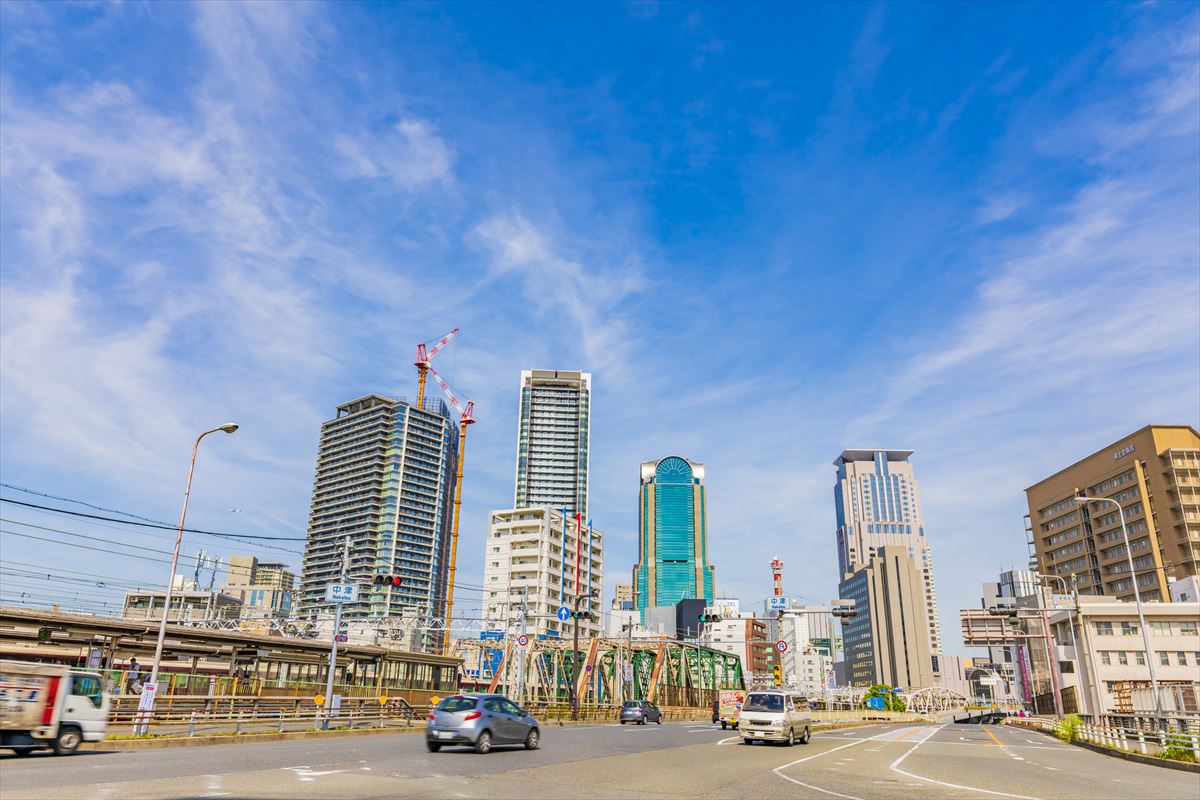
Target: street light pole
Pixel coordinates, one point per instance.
(1071, 627)
(337, 629)
(1137, 598)
(228, 427)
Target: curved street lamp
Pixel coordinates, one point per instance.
(228, 427)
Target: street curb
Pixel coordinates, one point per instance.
(290, 736)
(1109, 751)
(1139, 758)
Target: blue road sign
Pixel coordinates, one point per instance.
(875, 702)
(564, 613)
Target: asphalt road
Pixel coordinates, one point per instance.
(680, 760)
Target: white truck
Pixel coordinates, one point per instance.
(50, 706)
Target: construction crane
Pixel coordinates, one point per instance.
(466, 416)
(422, 362)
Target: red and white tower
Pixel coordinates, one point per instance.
(777, 572)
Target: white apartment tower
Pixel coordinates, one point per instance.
(529, 571)
(878, 505)
(552, 440)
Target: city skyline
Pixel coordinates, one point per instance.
(907, 245)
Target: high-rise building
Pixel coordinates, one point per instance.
(1154, 474)
(385, 480)
(529, 571)
(887, 640)
(878, 505)
(672, 535)
(552, 440)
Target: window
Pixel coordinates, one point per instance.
(1104, 629)
(1187, 629)
(1160, 628)
(1105, 658)
(1141, 658)
(89, 686)
(1129, 629)
(1122, 657)
(1164, 658)
(1181, 658)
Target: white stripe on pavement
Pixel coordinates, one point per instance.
(895, 767)
(778, 769)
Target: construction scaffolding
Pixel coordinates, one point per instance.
(607, 671)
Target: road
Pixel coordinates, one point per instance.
(680, 760)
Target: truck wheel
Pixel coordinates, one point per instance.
(723, 725)
(68, 741)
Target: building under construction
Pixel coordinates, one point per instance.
(606, 671)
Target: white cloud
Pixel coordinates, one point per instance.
(413, 156)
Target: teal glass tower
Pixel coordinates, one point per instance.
(672, 535)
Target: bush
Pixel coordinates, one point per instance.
(1068, 728)
(1177, 748)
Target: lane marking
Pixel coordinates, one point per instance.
(778, 770)
(1053, 768)
(895, 767)
(992, 736)
(730, 740)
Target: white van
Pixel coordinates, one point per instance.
(775, 715)
(50, 706)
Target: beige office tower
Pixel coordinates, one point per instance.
(1155, 475)
(886, 640)
(878, 505)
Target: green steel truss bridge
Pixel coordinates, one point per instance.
(604, 671)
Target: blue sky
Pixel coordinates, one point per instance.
(769, 232)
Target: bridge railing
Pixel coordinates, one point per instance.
(1140, 740)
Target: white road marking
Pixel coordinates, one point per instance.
(895, 767)
(1053, 768)
(307, 775)
(730, 740)
(778, 770)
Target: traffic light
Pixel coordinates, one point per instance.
(388, 580)
(709, 617)
(777, 674)
(584, 615)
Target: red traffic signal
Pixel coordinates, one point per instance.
(387, 580)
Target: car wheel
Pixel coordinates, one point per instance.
(659, 720)
(804, 739)
(68, 741)
(791, 740)
(723, 726)
(641, 722)
(484, 743)
(531, 741)
(433, 746)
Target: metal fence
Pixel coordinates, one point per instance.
(1140, 740)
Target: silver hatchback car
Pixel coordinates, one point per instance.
(480, 721)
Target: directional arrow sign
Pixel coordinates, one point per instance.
(564, 613)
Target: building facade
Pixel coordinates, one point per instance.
(743, 635)
(529, 571)
(887, 640)
(384, 480)
(878, 504)
(189, 604)
(623, 597)
(1109, 669)
(552, 440)
(266, 588)
(1155, 475)
(672, 535)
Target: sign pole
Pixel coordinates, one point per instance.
(337, 629)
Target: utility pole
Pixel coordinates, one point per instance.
(575, 655)
(524, 654)
(337, 629)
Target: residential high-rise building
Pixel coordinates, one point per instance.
(385, 480)
(878, 504)
(672, 535)
(529, 570)
(552, 440)
(887, 640)
(1154, 474)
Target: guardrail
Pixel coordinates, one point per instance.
(1139, 740)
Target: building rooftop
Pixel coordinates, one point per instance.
(1110, 447)
(869, 455)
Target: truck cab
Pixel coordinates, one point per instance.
(48, 706)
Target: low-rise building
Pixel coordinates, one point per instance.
(188, 604)
(1110, 663)
(742, 634)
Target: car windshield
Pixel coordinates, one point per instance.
(763, 702)
(454, 705)
(632, 704)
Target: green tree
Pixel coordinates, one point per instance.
(891, 700)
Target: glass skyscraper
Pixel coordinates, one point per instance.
(672, 535)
